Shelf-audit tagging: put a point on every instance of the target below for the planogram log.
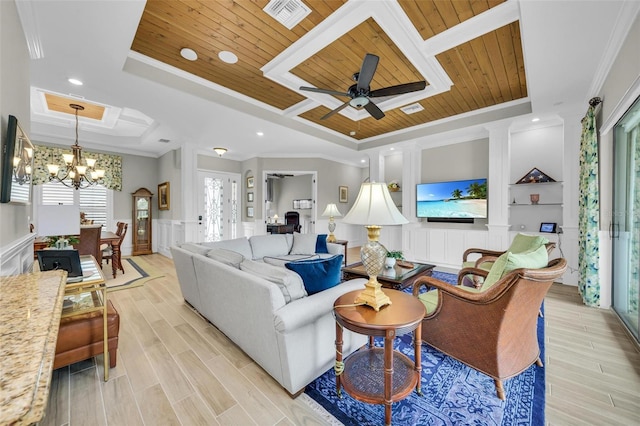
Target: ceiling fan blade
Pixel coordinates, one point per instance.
(374, 110)
(340, 108)
(399, 89)
(325, 91)
(369, 65)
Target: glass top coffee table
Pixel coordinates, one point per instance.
(396, 278)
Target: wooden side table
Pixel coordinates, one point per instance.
(345, 243)
(361, 376)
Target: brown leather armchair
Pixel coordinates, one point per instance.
(492, 331)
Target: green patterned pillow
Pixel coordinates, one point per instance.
(523, 243)
(535, 259)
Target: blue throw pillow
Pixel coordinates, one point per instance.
(321, 244)
(318, 274)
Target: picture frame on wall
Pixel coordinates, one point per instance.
(250, 182)
(250, 197)
(343, 194)
(17, 165)
(249, 211)
(164, 196)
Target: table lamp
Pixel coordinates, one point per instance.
(275, 219)
(374, 208)
(58, 220)
(331, 211)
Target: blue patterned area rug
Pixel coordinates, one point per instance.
(453, 394)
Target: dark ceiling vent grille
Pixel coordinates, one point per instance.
(164, 140)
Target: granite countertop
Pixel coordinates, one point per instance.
(30, 309)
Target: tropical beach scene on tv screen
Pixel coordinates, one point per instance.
(455, 199)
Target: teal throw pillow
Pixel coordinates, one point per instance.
(318, 274)
(321, 244)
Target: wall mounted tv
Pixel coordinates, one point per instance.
(459, 201)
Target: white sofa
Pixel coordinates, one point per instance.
(294, 342)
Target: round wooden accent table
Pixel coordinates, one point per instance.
(379, 375)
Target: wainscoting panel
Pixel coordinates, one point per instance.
(167, 234)
(444, 247)
(17, 258)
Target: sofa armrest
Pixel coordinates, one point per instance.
(308, 309)
(334, 248)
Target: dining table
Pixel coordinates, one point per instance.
(106, 237)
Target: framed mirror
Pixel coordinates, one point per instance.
(17, 165)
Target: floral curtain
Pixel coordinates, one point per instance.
(589, 211)
(111, 164)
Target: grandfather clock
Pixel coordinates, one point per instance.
(142, 221)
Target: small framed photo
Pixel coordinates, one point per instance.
(249, 211)
(164, 196)
(250, 197)
(250, 182)
(343, 194)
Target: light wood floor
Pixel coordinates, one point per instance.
(175, 368)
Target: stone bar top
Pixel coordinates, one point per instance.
(30, 309)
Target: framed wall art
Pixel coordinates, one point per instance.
(250, 182)
(250, 197)
(343, 194)
(164, 196)
(17, 165)
(249, 211)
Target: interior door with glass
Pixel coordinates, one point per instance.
(218, 206)
(625, 227)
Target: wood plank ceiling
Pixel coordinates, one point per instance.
(487, 70)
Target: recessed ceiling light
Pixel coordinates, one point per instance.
(363, 161)
(392, 149)
(260, 133)
(75, 81)
(535, 119)
(188, 54)
(352, 133)
(228, 57)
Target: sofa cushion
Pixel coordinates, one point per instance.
(239, 245)
(289, 282)
(195, 248)
(318, 274)
(321, 244)
(268, 245)
(281, 260)
(304, 243)
(228, 257)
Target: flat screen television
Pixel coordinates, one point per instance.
(452, 201)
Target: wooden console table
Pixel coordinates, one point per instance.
(30, 309)
(361, 374)
(275, 228)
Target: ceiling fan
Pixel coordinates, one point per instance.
(360, 92)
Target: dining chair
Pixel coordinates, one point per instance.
(107, 253)
(90, 241)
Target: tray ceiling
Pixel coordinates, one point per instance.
(469, 53)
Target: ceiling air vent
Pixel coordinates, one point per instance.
(288, 12)
(164, 140)
(410, 109)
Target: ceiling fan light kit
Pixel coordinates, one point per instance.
(361, 94)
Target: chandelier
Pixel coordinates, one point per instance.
(77, 172)
(22, 164)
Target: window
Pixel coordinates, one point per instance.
(93, 201)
